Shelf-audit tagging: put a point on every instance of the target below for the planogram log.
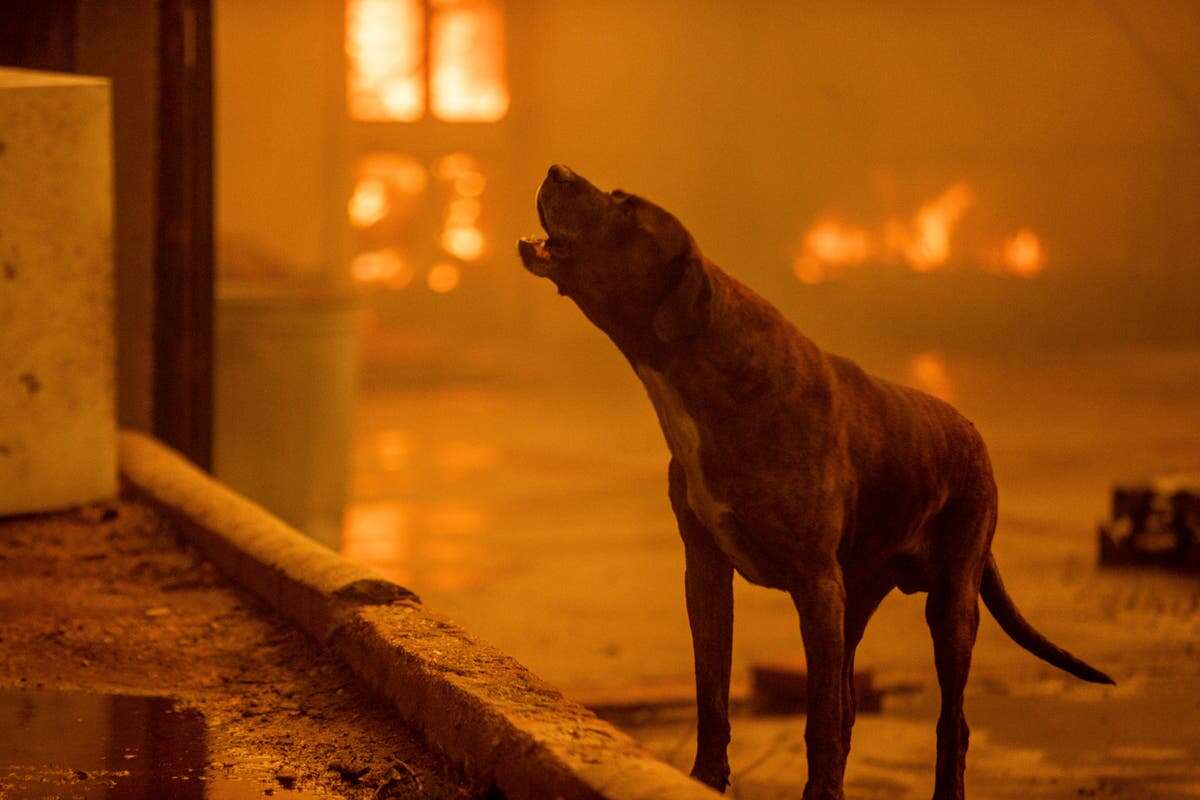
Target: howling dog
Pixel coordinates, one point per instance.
(791, 466)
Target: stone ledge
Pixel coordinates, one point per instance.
(485, 711)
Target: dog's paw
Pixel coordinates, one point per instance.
(716, 776)
(815, 792)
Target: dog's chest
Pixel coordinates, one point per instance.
(683, 438)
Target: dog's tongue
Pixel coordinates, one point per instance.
(535, 255)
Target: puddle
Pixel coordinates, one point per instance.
(117, 747)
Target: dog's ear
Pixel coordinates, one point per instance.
(687, 308)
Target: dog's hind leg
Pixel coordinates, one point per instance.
(861, 602)
(953, 617)
(821, 602)
(708, 581)
(952, 612)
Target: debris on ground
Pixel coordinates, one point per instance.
(1155, 522)
(106, 599)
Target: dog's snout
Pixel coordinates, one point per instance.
(561, 174)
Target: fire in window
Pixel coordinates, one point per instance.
(385, 53)
(407, 57)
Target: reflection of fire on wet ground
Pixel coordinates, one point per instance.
(412, 540)
(436, 546)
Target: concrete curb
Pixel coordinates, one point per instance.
(484, 710)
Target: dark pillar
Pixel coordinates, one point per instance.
(183, 273)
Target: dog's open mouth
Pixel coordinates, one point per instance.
(541, 254)
(536, 255)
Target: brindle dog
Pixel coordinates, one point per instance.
(791, 466)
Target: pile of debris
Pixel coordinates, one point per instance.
(1154, 522)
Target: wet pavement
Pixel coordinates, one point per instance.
(533, 511)
(112, 746)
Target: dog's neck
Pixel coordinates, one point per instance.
(635, 331)
(722, 344)
(640, 347)
(634, 337)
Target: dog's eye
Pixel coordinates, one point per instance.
(620, 196)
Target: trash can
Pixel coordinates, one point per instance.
(286, 378)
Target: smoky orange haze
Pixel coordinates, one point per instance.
(978, 178)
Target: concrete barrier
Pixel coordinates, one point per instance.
(480, 707)
(58, 426)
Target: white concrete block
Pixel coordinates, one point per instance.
(57, 421)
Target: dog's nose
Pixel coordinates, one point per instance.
(561, 174)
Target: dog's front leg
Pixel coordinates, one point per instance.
(821, 601)
(708, 582)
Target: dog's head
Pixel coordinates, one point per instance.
(629, 265)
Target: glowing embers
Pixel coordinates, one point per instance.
(1022, 254)
(831, 244)
(923, 243)
(386, 266)
(443, 277)
(387, 63)
(385, 198)
(369, 203)
(385, 55)
(463, 240)
(385, 185)
(406, 215)
(461, 236)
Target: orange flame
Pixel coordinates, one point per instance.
(386, 266)
(464, 242)
(443, 277)
(387, 184)
(926, 246)
(833, 242)
(461, 234)
(403, 174)
(830, 244)
(922, 243)
(1022, 254)
(385, 51)
(467, 79)
(369, 202)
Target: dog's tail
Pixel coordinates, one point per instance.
(1018, 628)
